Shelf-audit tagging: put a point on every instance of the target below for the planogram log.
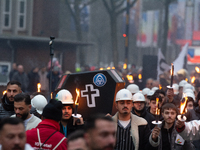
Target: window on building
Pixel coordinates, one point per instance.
(7, 8)
(22, 14)
(5, 68)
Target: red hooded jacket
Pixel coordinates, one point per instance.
(46, 128)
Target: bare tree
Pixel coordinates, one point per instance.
(75, 7)
(165, 25)
(114, 9)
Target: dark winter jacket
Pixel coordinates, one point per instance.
(197, 111)
(6, 107)
(159, 117)
(191, 115)
(147, 116)
(34, 79)
(23, 79)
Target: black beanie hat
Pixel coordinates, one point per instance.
(53, 110)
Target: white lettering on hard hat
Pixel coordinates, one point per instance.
(90, 93)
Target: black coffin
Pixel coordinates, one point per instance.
(97, 90)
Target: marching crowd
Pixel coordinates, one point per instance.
(145, 118)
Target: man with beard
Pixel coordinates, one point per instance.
(13, 135)
(168, 137)
(7, 102)
(68, 123)
(100, 133)
(139, 109)
(133, 132)
(22, 107)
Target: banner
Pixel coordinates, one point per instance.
(162, 66)
(179, 62)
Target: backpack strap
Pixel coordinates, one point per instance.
(41, 144)
(38, 134)
(59, 143)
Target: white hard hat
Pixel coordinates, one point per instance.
(175, 87)
(39, 102)
(188, 86)
(188, 90)
(145, 91)
(155, 88)
(151, 92)
(189, 94)
(123, 94)
(133, 88)
(138, 97)
(65, 97)
(182, 83)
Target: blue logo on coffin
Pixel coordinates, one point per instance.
(99, 79)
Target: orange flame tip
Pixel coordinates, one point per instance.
(140, 76)
(183, 104)
(4, 92)
(77, 96)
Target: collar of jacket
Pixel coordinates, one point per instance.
(48, 123)
(135, 122)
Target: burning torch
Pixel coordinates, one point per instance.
(38, 87)
(183, 109)
(4, 92)
(172, 74)
(130, 78)
(75, 115)
(140, 77)
(157, 122)
(197, 69)
(76, 102)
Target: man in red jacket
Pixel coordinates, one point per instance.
(46, 135)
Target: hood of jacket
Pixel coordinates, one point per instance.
(49, 124)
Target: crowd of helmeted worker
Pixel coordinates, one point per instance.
(146, 118)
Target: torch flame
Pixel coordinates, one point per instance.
(160, 86)
(4, 92)
(101, 69)
(129, 77)
(193, 79)
(77, 96)
(157, 109)
(113, 67)
(183, 104)
(186, 79)
(140, 76)
(51, 95)
(172, 69)
(124, 66)
(38, 87)
(108, 68)
(197, 69)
